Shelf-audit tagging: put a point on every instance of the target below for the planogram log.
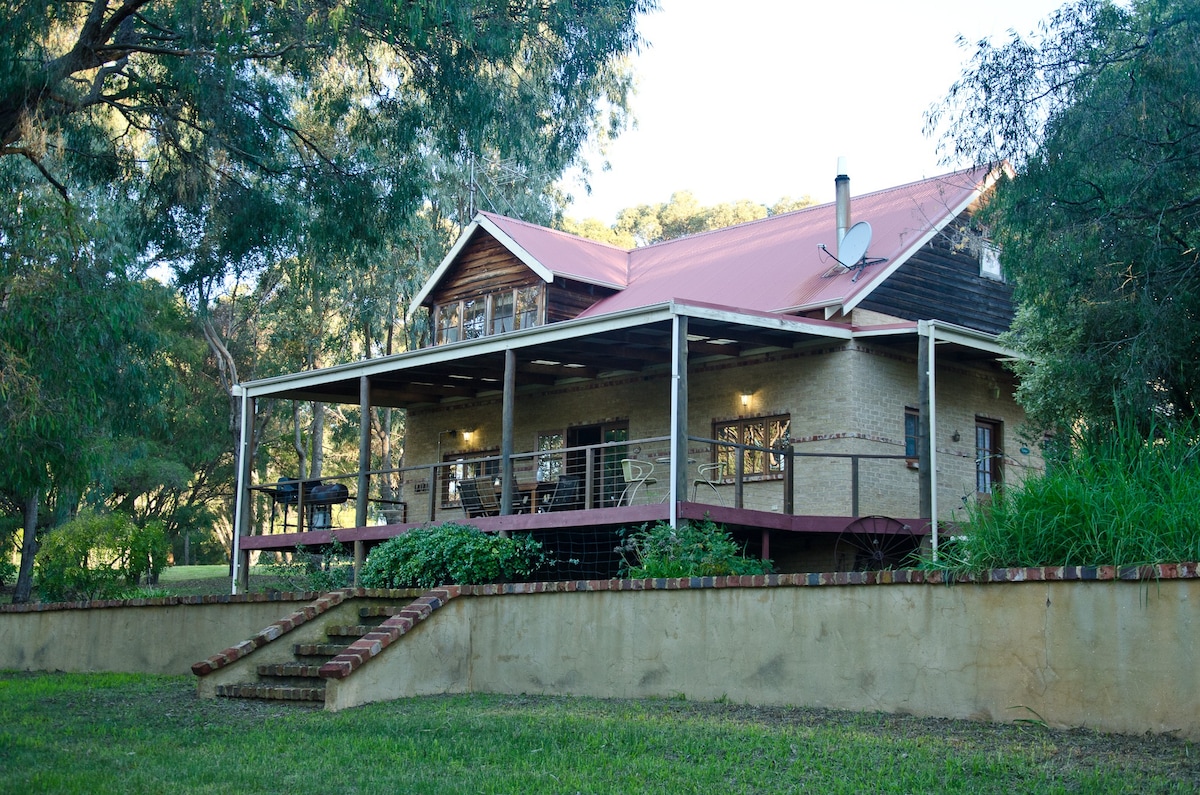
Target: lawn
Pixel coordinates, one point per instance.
(117, 733)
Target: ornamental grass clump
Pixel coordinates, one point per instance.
(1119, 495)
(694, 549)
(452, 554)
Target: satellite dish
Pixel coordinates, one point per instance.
(854, 245)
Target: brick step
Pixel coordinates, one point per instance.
(318, 649)
(349, 630)
(272, 692)
(380, 611)
(295, 669)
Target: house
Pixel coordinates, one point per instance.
(827, 383)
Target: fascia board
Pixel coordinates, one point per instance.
(763, 320)
(544, 273)
(442, 267)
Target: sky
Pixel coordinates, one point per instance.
(757, 99)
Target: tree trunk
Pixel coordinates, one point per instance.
(29, 547)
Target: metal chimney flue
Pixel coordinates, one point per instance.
(842, 195)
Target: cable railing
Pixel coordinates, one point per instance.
(775, 479)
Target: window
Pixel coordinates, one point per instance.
(527, 306)
(447, 323)
(912, 432)
(989, 456)
(474, 318)
(549, 465)
(760, 432)
(461, 469)
(502, 313)
(989, 261)
(496, 313)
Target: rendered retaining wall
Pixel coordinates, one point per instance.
(1106, 649)
(158, 636)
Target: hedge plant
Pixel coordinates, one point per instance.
(98, 556)
(452, 554)
(694, 549)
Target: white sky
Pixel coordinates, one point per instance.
(756, 99)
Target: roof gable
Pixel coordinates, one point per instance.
(776, 264)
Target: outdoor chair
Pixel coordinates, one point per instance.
(637, 474)
(709, 475)
(471, 499)
(566, 496)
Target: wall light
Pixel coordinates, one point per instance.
(746, 396)
(467, 436)
(956, 436)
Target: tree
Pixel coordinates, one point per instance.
(222, 139)
(1099, 226)
(646, 224)
(74, 348)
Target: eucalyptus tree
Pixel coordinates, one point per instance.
(1100, 226)
(74, 347)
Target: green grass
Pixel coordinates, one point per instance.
(108, 733)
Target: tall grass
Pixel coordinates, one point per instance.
(1118, 495)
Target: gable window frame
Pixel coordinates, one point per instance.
(480, 316)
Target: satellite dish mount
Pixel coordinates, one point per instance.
(852, 251)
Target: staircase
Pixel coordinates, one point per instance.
(300, 680)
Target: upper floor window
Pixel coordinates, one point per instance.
(495, 313)
(989, 261)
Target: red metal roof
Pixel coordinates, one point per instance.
(770, 265)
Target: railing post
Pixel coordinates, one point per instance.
(789, 484)
(854, 486)
(739, 470)
(589, 469)
(432, 491)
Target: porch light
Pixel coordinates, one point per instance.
(746, 396)
(467, 436)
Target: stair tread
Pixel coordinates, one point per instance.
(271, 692)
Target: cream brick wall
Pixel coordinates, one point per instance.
(842, 397)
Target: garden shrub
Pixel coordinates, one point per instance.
(449, 554)
(98, 556)
(694, 549)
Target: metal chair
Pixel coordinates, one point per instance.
(709, 475)
(637, 474)
(566, 496)
(472, 498)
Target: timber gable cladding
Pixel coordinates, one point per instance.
(943, 280)
(486, 267)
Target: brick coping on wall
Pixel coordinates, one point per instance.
(1159, 571)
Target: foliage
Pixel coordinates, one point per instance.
(682, 215)
(1107, 498)
(98, 556)
(695, 549)
(304, 571)
(452, 553)
(1099, 227)
(8, 571)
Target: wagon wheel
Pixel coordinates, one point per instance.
(870, 543)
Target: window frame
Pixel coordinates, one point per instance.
(756, 465)
(989, 456)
